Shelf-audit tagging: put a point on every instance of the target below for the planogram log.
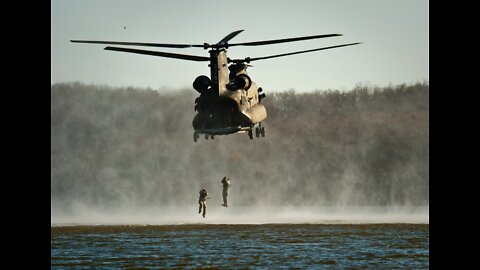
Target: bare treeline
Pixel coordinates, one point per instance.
(129, 146)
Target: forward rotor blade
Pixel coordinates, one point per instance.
(164, 45)
(161, 54)
(299, 52)
(229, 36)
(275, 41)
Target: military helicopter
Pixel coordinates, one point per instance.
(229, 102)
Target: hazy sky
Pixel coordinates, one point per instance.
(394, 35)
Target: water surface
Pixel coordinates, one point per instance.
(245, 246)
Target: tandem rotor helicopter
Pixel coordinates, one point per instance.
(229, 102)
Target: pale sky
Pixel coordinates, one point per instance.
(394, 35)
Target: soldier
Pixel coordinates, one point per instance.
(226, 185)
(202, 201)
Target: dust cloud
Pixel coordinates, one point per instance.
(127, 156)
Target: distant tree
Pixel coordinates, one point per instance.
(134, 146)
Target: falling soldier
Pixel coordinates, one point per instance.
(202, 201)
(226, 185)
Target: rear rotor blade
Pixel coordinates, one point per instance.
(229, 36)
(275, 41)
(161, 54)
(164, 45)
(299, 52)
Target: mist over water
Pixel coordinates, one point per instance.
(127, 156)
(259, 214)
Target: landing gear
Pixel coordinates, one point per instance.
(250, 134)
(259, 130)
(196, 135)
(211, 136)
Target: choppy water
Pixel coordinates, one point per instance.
(229, 246)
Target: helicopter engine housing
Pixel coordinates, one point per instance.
(202, 83)
(241, 82)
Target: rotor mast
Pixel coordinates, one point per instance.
(218, 70)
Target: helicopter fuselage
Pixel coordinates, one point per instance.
(230, 103)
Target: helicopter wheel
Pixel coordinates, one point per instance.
(257, 132)
(211, 136)
(250, 134)
(206, 136)
(195, 136)
(262, 131)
